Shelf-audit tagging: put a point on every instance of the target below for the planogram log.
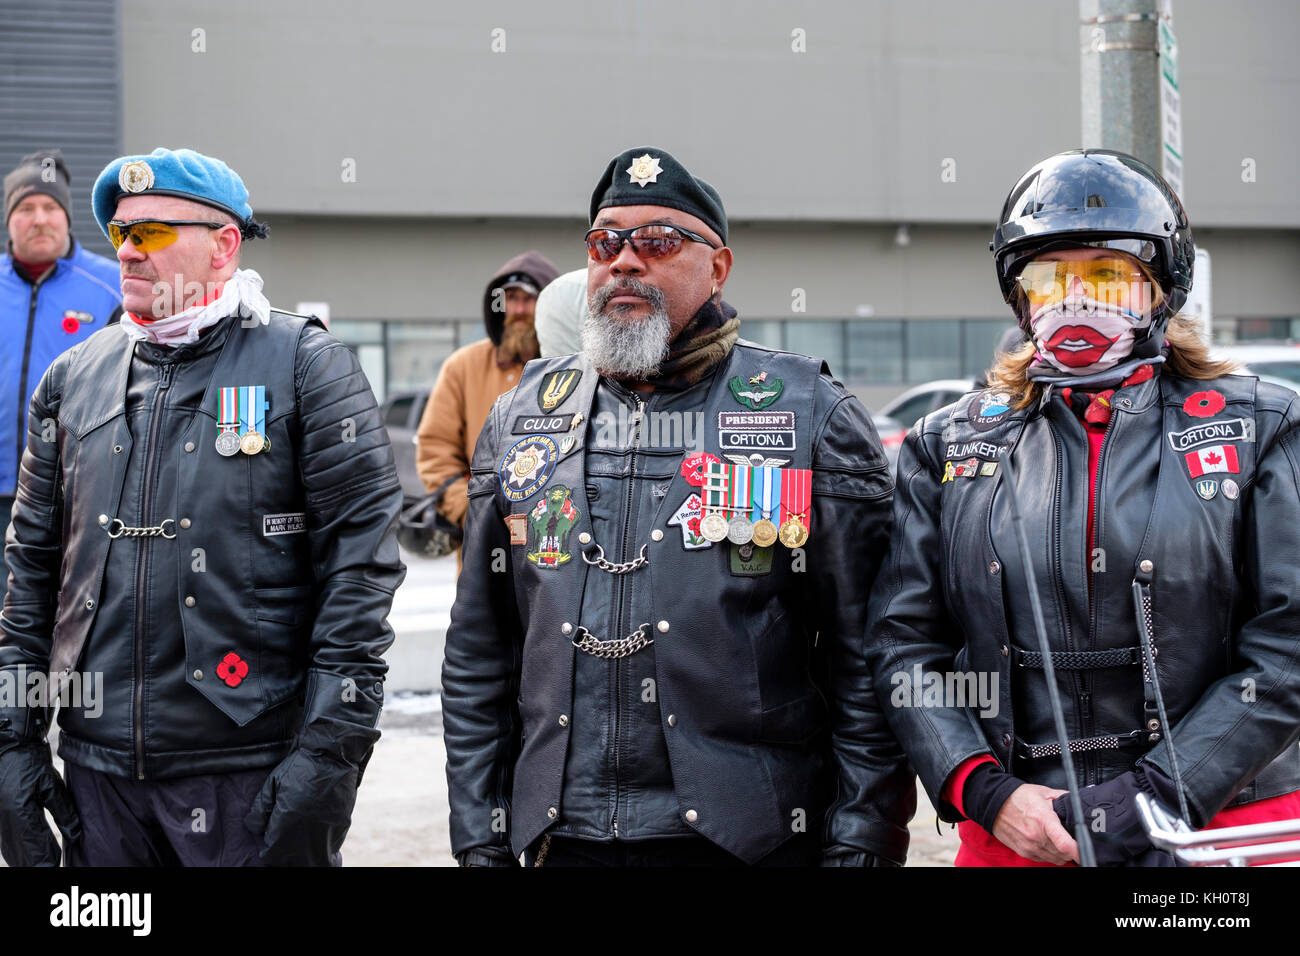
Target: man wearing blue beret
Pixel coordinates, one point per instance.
(203, 556)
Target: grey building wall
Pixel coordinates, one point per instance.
(857, 128)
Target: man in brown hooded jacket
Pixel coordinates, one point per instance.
(474, 376)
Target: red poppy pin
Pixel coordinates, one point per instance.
(71, 325)
(1204, 404)
(232, 669)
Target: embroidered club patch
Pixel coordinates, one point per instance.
(687, 517)
(749, 560)
(1207, 488)
(551, 522)
(756, 432)
(293, 522)
(1205, 461)
(541, 424)
(1204, 404)
(1231, 429)
(232, 669)
(556, 387)
(757, 392)
(527, 466)
(988, 409)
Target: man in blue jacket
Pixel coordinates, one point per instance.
(53, 294)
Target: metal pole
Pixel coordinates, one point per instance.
(1120, 74)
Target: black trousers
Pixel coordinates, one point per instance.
(185, 821)
(691, 851)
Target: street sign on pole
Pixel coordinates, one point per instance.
(1171, 128)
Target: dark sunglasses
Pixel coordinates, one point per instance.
(652, 241)
(150, 235)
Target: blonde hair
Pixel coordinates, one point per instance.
(1188, 357)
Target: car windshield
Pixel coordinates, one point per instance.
(1289, 370)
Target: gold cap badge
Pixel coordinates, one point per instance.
(644, 170)
(135, 177)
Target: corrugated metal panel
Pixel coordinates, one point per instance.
(60, 85)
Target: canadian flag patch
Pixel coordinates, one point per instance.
(1211, 459)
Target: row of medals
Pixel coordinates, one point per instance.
(715, 527)
(229, 442)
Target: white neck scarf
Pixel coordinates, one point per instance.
(242, 295)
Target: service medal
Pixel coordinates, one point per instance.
(227, 443)
(252, 443)
(740, 530)
(796, 504)
(765, 533)
(714, 527)
(793, 534)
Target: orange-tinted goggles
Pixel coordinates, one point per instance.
(1116, 281)
(150, 235)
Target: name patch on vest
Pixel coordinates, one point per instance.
(530, 424)
(1231, 429)
(979, 449)
(291, 523)
(756, 431)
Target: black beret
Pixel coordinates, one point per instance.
(647, 176)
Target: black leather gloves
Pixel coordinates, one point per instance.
(304, 809)
(1111, 816)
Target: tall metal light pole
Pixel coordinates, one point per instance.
(1129, 73)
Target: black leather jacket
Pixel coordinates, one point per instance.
(287, 559)
(759, 712)
(1219, 566)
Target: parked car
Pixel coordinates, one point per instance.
(401, 413)
(916, 403)
(1279, 364)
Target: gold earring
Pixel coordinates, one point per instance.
(715, 290)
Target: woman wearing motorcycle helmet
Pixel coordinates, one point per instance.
(1160, 496)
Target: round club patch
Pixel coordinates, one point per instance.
(1230, 489)
(527, 466)
(988, 409)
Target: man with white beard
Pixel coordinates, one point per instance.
(656, 651)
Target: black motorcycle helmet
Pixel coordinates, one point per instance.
(1104, 198)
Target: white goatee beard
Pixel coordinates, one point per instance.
(631, 349)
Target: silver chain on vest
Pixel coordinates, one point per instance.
(640, 561)
(116, 529)
(611, 650)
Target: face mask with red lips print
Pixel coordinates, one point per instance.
(1079, 335)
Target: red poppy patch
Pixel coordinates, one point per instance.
(232, 669)
(1204, 404)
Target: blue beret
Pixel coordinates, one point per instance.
(167, 172)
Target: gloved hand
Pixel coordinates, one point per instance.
(29, 785)
(304, 809)
(1111, 816)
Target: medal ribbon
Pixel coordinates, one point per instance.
(767, 492)
(715, 485)
(739, 488)
(228, 409)
(796, 494)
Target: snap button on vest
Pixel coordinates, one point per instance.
(656, 535)
(994, 567)
(189, 600)
(1147, 566)
(198, 675)
(189, 446)
(691, 816)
